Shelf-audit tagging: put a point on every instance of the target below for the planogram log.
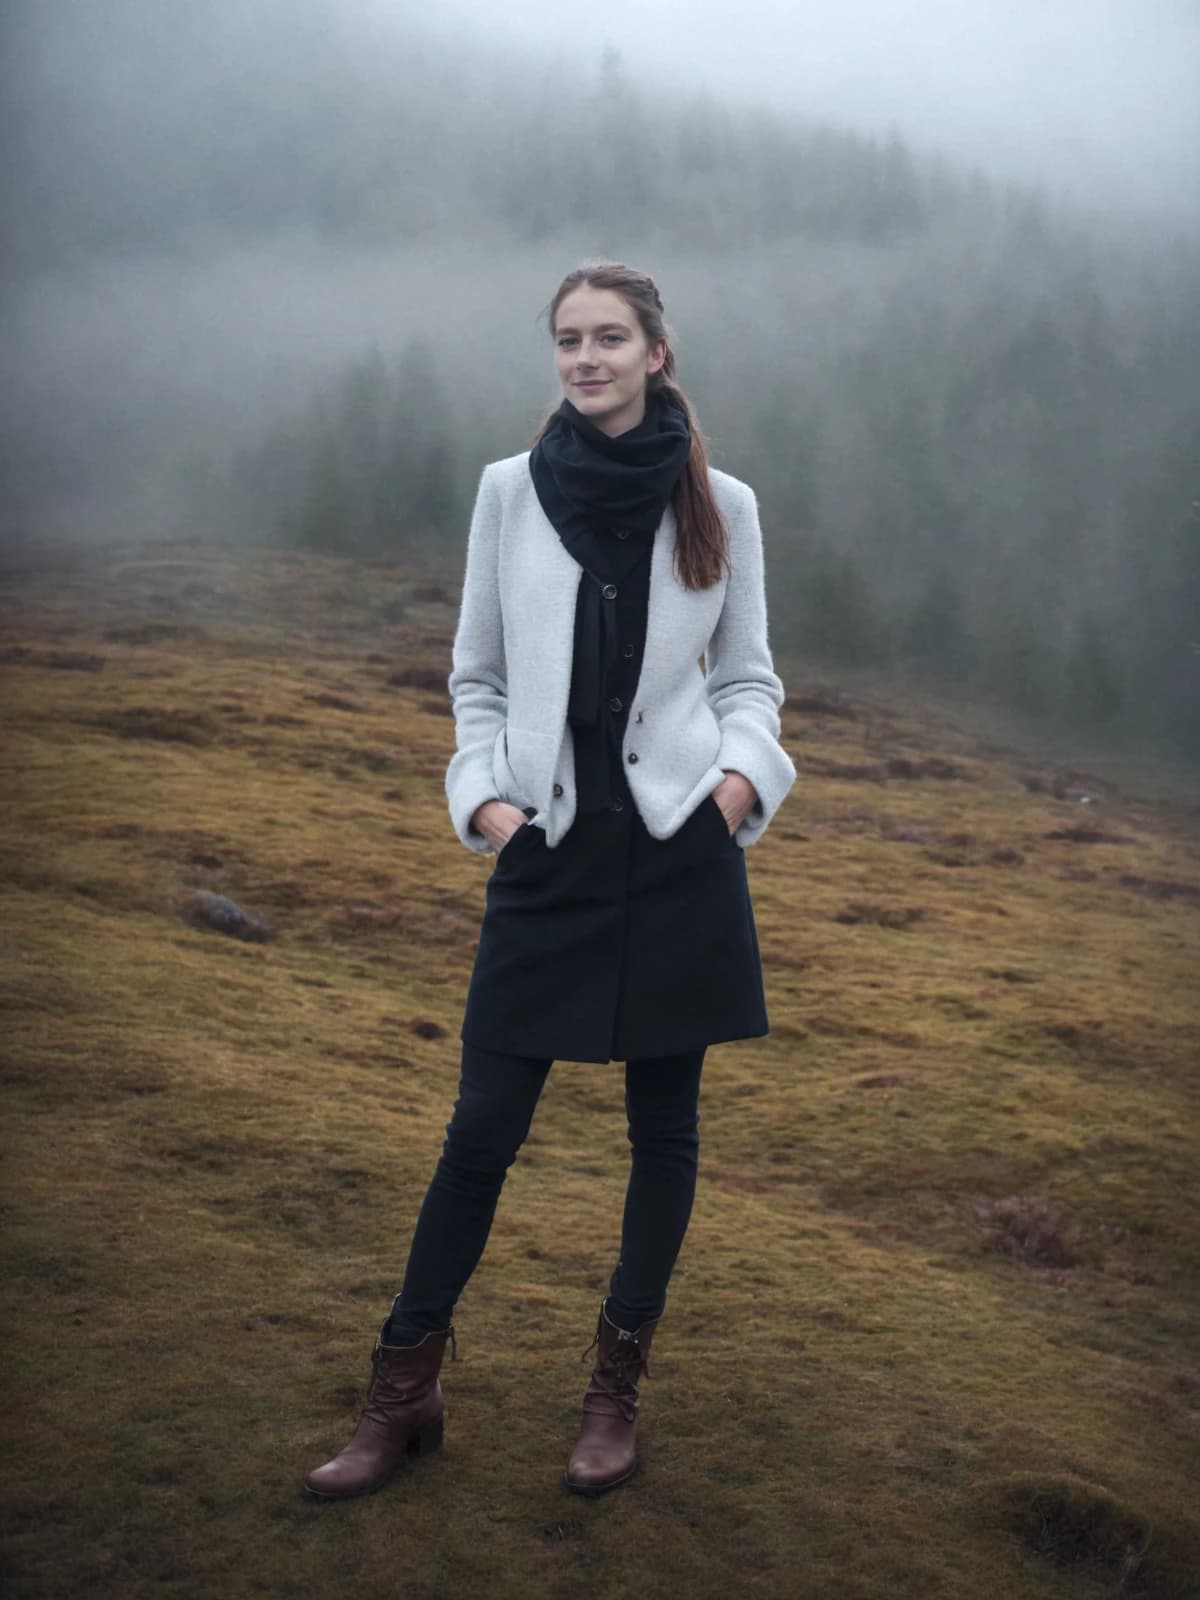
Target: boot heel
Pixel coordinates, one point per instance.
(427, 1441)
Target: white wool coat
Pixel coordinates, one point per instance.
(707, 699)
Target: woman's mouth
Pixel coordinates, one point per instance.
(589, 384)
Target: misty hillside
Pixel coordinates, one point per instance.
(932, 1333)
(278, 270)
(242, 123)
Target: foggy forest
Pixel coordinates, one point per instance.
(275, 274)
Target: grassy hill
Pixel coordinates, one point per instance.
(933, 1328)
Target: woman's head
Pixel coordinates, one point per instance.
(611, 343)
(612, 348)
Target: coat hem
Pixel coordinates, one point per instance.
(522, 1048)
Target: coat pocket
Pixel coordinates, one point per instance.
(529, 758)
(502, 772)
(710, 801)
(513, 841)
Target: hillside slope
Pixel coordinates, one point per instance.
(929, 1334)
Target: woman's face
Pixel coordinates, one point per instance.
(603, 358)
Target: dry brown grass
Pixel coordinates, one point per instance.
(933, 1328)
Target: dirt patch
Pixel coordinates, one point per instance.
(881, 916)
(932, 767)
(1031, 1229)
(822, 705)
(165, 724)
(333, 702)
(419, 676)
(1162, 888)
(1088, 833)
(1083, 1527)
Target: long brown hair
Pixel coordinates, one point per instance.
(702, 539)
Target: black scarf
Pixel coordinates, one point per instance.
(590, 484)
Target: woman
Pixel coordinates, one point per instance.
(617, 728)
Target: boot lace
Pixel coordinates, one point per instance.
(613, 1389)
(384, 1392)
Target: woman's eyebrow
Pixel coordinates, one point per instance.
(602, 328)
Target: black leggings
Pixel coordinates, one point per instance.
(496, 1100)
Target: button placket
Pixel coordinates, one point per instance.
(623, 586)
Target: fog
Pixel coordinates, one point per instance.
(932, 272)
(1095, 99)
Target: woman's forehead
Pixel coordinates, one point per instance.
(588, 307)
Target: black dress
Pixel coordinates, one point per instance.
(615, 945)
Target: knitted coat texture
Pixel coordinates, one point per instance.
(707, 699)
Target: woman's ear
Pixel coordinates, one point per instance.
(657, 356)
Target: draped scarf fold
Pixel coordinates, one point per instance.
(590, 486)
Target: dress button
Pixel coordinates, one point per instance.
(558, 788)
(618, 805)
(615, 703)
(633, 755)
(622, 533)
(627, 651)
(609, 591)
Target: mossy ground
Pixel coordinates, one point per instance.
(933, 1328)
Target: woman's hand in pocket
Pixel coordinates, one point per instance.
(498, 821)
(736, 797)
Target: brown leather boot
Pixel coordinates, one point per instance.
(402, 1416)
(606, 1453)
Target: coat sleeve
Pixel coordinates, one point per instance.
(740, 679)
(478, 682)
